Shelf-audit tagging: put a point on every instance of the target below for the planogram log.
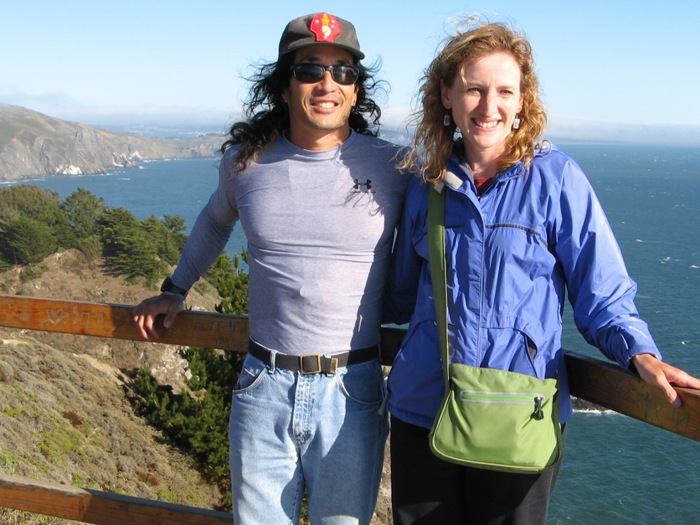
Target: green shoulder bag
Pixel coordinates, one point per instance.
(490, 419)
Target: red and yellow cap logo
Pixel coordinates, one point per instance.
(325, 27)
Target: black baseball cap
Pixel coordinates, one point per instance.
(320, 28)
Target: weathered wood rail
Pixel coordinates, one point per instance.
(591, 379)
(104, 508)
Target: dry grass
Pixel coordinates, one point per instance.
(64, 415)
(18, 517)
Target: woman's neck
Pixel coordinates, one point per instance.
(484, 163)
(486, 170)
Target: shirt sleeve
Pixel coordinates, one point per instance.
(600, 290)
(211, 230)
(405, 268)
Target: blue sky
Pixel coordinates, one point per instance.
(611, 65)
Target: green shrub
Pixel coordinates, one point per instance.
(42, 206)
(128, 246)
(27, 241)
(90, 247)
(31, 272)
(84, 210)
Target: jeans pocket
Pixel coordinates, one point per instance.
(251, 375)
(363, 383)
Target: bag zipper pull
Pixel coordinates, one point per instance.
(539, 413)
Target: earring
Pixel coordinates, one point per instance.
(516, 122)
(446, 120)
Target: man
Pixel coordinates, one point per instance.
(318, 197)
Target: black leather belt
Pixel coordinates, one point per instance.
(314, 363)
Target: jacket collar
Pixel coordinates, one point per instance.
(458, 171)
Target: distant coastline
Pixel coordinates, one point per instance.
(34, 145)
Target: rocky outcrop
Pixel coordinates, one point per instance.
(34, 145)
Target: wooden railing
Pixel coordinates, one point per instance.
(591, 379)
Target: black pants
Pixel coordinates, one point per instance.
(426, 490)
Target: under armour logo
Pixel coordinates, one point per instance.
(365, 186)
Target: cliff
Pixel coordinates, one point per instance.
(34, 145)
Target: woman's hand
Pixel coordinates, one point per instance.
(662, 375)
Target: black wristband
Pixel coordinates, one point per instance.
(169, 287)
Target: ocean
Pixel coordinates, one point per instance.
(616, 470)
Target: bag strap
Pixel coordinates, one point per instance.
(438, 269)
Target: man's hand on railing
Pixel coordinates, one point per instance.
(145, 313)
(662, 375)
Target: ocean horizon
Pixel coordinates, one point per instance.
(616, 470)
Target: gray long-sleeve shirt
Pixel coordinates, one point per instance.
(320, 226)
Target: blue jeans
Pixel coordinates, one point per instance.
(321, 433)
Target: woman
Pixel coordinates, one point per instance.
(523, 227)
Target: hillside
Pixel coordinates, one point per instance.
(64, 413)
(35, 145)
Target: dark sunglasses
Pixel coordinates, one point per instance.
(312, 73)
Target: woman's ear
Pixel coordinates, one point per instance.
(445, 95)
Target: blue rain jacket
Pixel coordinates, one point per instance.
(536, 234)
